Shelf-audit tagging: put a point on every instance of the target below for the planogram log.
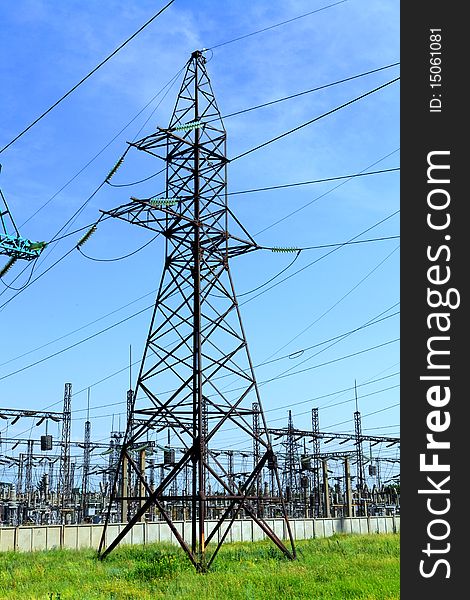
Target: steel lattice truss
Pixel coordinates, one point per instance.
(196, 346)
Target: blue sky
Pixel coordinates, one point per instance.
(48, 46)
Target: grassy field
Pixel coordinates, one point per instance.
(339, 567)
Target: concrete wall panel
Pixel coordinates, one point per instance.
(24, 539)
(42, 537)
(7, 539)
(39, 538)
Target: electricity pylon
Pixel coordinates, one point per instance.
(11, 243)
(196, 345)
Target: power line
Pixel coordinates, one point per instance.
(320, 246)
(322, 195)
(298, 251)
(75, 215)
(333, 343)
(86, 76)
(167, 85)
(325, 180)
(76, 343)
(387, 389)
(310, 325)
(242, 37)
(119, 257)
(118, 185)
(80, 209)
(319, 258)
(78, 410)
(78, 329)
(278, 137)
(37, 277)
(375, 412)
(371, 322)
(69, 222)
(33, 265)
(309, 91)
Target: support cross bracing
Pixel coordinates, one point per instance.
(196, 343)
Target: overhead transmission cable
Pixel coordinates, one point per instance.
(288, 215)
(311, 400)
(167, 85)
(269, 410)
(78, 329)
(375, 412)
(81, 208)
(37, 277)
(242, 37)
(75, 215)
(343, 297)
(334, 245)
(308, 265)
(113, 325)
(324, 180)
(280, 249)
(120, 47)
(348, 389)
(282, 135)
(118, 257)
(77, 343)
(309, 91)
(245, 110)
(69, 223)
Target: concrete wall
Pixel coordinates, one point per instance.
(47, 537)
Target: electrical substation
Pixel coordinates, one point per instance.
(168, 461)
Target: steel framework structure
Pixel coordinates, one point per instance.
(196, 343)
(64, 483)
(11, 243)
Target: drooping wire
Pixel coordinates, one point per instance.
(46, 112)
(37, 277)
(119, 257)
(343, 297)
(308, 265)
(266, 282)
(119, 185)
(297, 252)
(56, 237)
(10, 287)
(55, 240)
(242, 37)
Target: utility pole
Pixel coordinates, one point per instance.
(196, 334)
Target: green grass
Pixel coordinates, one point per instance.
(341, 567)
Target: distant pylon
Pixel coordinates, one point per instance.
(65, 484)
(196, 344)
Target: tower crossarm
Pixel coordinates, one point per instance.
(11, 243)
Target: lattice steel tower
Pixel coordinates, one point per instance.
(196, 344)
